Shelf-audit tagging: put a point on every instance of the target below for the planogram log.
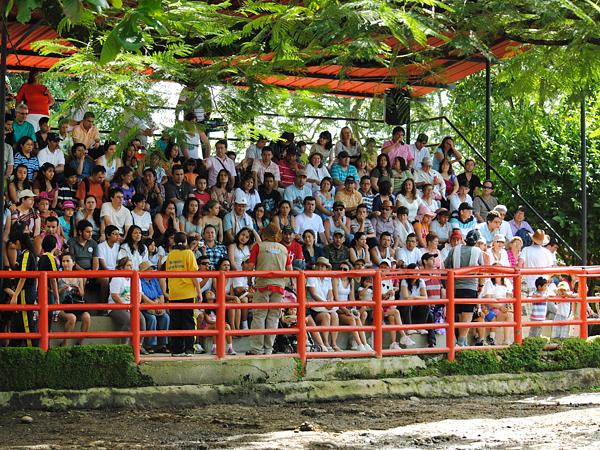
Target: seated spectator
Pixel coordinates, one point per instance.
(497, 253)
(19, 183)
(208, 320)
(408, 198)
(431, 249)
(360, 250)
(446, 150)
(428, 198)
(166, 218)
(395, 147)
(152, 190)
(167, 243)
(22, 127)
(80, 162)
(120, 293)
(419, 150)
(319, 289)
(464, 220)
(265, 164)
(109, 159)
(297, 192)
(484, 203)
(367, 194)
(237, 219)
(381, 172)
(52, 154)
(324, 147)
(114, 213)
(95, 185)
(248, 190)
(400, 173)
(90, 213)
(496, 288)
(86, 133)
(310, 249)
(190, 171)
(505, 228)
(222, 192)
(456, 238)
(108, 250)
(177, 189)
(41, 135)
(440, 226)
(25, 214)
(427, 175)
(385, 194)
(24, 156)
(348, 144)
(71, 291)
(469, 178)
(385, 221)
(410, 254)
(361, 223)
(384, 250)
(324, 198)
(491, 227)
(212, 218)
(269, 195)
(405, 227)
(234, 316)
(283, 216)
(462, 196)
(200, 192)
(140, 216)
(123, 179)
(514, 252)
(349, 196)
(85, 254)
(293, 247)
(254, 152)
(133, 248)
(336, 252)
(421, 226)
(67, 220)
(308, 220)
(284, 146)
(211, 248)
(338, 222)
(288, 166)
(156, 319)
(450, 181)
(342, 170)
(316, 170)
(219, 162)
(518, 222)
(45, 182)
(43, 208)
(50, 229)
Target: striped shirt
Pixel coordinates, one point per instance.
(32, 164)
(339, 173)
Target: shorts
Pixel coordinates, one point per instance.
(465, 293)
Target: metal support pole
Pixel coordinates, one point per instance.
(301, 314)
(584, 200)
(3, 56)
(377, 315)
(518, 308)
(488, 119)
(221, 338)
(583, 292)
(450, 337)
(44, 326)
(135, 300)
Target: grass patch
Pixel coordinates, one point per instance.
(77, 367)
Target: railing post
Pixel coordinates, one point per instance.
(582, 291)
(43, 304)
(134, 309)
(518, 308)
(221, 315)
(301, 316)
(450, 336)
(377, 315)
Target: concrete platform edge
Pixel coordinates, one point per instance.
(304, 391)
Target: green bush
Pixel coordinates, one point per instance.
(77, 367)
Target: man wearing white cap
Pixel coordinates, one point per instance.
(237, 219)
(427, 175)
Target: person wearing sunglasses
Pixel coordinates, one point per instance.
(485, 202)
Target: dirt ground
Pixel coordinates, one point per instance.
(310, 426)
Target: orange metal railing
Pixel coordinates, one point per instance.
(377, 328)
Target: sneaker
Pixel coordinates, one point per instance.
(354, 345)
(368, 348)
(179, 355)
(394, 346)
(406, 341)
(329, 348)
(213, 350)
(423, 331)
(323, 348)
(143, 351)
(490, 340)
(478, 342)
(188, 354)
(251, 353)
(231, 351)
(198, 348)
(411, 331)
(359, 348)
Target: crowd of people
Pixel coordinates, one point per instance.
(73, 202)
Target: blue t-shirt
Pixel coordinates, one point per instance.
(296, 196)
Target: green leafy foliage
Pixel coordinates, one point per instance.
(76, 367)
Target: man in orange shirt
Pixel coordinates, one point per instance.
(86, 132)
(95, 185)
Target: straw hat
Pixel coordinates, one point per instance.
(322, 261)
(538, 237)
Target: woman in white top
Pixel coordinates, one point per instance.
(349, 144)
(110, 161)
(316, 170)
(320, 289)
(498, 255)
(409, 199)
(498, 288)
(414, 289)
(249, 192)
(343, 290)
(324, 146)
(239, 250)
(140, 216)
(133, 247)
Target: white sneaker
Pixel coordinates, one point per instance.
(394, 346)
(354, 345)
(360, 348)
(325, 349)
(198, 348)
(368, 348)
(423, 331)
(406, 341)
(411, 331)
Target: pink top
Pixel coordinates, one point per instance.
(396, 150)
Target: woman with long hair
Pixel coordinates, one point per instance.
(91, 213)
(124, 180)
(359, 249)
(310, 249)
(283, 217)
(450, 180)
(172, 158)
(409, 199)
(166, 218)
(324, 198)
(446, 150)
(249, 192)
(385, 193)
(72, 291)
(213, 217)
(260, 219)
(514, 252)
(190, 219)
(110, 160)
(133, 247)
(316, 170)
(381, 172)
(323, 146)
(140, 216)
(349, 144)
(24, 155)
(400, 173)
(223, 192)
(19, 183)
(46, 182)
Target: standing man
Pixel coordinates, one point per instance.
(267, 255)
(465, 256)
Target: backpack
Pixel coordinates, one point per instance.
(525, 236)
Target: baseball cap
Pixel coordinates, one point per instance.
(287, 229)
(301, 173)
(456, 234)
(241, 199)
(340, 232)
(26, 193)
(53, 137)
(68, 204)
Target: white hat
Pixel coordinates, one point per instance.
(501, 208)
(241, 199)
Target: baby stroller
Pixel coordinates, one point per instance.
(288, 343)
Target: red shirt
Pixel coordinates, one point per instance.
(203, 198)
(294, 250)
(286, 173)
(36, 98)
